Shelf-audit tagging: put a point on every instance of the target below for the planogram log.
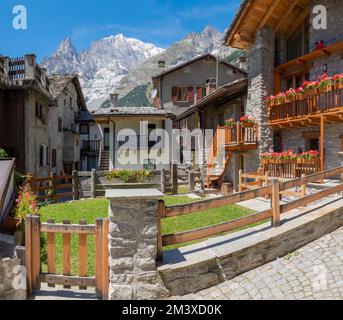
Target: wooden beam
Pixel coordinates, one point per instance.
(267, 15)
(292, 5)
(322, 143)
(300, 20)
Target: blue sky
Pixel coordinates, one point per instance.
(156, 21)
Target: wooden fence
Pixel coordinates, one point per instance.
(33, 231)
(274, 190)
(54, 187)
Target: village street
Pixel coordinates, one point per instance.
(312, 272)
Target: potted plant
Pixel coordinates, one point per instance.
(311, 87)
(325, 83)
(229, 123)
(26, 205)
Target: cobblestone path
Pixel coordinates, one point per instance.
(314, 272)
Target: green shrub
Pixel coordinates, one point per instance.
(3, 154)
(129, 175)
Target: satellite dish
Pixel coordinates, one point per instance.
(154, 94)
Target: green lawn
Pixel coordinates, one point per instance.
(91, 209)
(80, 210)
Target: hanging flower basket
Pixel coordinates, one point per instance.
(247, 121)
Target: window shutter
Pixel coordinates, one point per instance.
(190, 94)
(174, 94)
(200, 92)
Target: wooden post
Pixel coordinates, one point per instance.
(322, 143)
(303, 187)
(28, 253)
(30, 181)
(191, 179)
(105, 259)
(161, 213)
(76, 195)
(98, 257)
(93, 184)
(174, 172)
(163, 181)
(51, 252)
(66, 254)
(83, 254)
(267, 182)
(240, 180)
(53, 183)
(276, 203)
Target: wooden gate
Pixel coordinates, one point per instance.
(35, 276)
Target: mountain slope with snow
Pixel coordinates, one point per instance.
(126, 65)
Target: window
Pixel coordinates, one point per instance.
(298, 42)
(179, 94)
(70, 101)
(65, 102)
(59, 124)
(84, 129)
(149, 164)
(43, 155)
(53, 158)
(39, 111)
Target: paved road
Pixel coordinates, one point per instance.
(313, 272)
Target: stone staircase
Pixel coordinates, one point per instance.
(104, 161)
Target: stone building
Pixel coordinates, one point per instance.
(285, 48)
(65, 142)
(90, 141)
(178, 88)
(25, 103)
(210, 114)
(133, 138)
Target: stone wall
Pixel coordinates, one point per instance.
(204, 265)
(36, 134)
(333, 34)
(133, 245)
(10, 273)
(293, 139)
(261, 84)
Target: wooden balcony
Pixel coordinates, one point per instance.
(291, 169)
(238, 138)
(308, 112)
(91, 146)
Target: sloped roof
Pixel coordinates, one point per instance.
(132, 111)
(283, 16)
(201, 57)
(59, 82)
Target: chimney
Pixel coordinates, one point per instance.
(211, 86)
(114, 100)
(30, 66)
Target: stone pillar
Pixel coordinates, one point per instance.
(261, 84)
(133, 245)
(30, 66)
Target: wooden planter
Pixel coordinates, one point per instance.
(11, 224)
(248, 125)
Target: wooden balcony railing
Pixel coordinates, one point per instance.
(290, 169)
(319, 103)
(91, 146)
(239, 134)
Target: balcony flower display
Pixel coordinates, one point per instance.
(323, 84)
(338, 81)
(230, 123)
(287, 156)
(247, 121)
